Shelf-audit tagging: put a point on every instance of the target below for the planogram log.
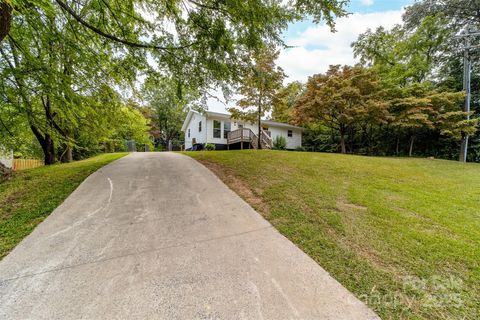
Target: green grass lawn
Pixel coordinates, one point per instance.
(31, 195)
(402, 234)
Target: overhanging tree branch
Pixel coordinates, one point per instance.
(79, 19)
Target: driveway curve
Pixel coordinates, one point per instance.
(158, 236)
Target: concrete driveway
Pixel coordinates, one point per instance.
(157, 235)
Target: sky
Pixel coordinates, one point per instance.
(315, 47)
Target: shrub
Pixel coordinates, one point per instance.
(300, 148)
(209, 146)
(280, 143)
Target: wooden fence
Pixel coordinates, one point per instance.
(22, 164)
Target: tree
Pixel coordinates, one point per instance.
(422, 108)
(411, 115)
(258, 88)
(131, 125)
(108, 123)
(169, 99)
(450, 121)
(341, 99)
(52, 80)
(401, 56)
(284, 100)
(459, 13)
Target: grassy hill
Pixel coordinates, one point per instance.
(29, 196)
(402, 234)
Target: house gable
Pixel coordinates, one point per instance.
(194, 128)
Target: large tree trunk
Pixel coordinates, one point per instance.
(67, 155)
(342, 142)
(49, 150)
(351, 140)
(410, 151)
(5, 19)
(46, 139)
(463, 148)
(46, 142)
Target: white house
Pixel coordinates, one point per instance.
(227, 133)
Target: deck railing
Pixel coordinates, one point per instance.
(247, 135)
(266, 139)
(240, 135)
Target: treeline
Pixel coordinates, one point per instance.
(350, 109)
(405, 97)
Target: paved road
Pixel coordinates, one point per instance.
(159, 236)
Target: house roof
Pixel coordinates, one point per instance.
(281, 124)
(187, 119)
(228, 116)
(217, 114)
(267, 122)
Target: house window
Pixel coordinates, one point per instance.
(290, 133)
(217, 129)
(188, 133)
(200, 126)
(227, 127)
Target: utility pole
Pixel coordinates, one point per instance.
(467, 70)
(467, 73)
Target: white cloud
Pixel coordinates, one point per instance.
(317, 47)
(366, 2)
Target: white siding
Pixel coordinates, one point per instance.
(251, 126)
(221, 140)
(200, 137)
(293, 142)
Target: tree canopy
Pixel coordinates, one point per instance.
(341, 99)
(284, 101)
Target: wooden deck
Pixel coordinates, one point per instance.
(247, 135)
